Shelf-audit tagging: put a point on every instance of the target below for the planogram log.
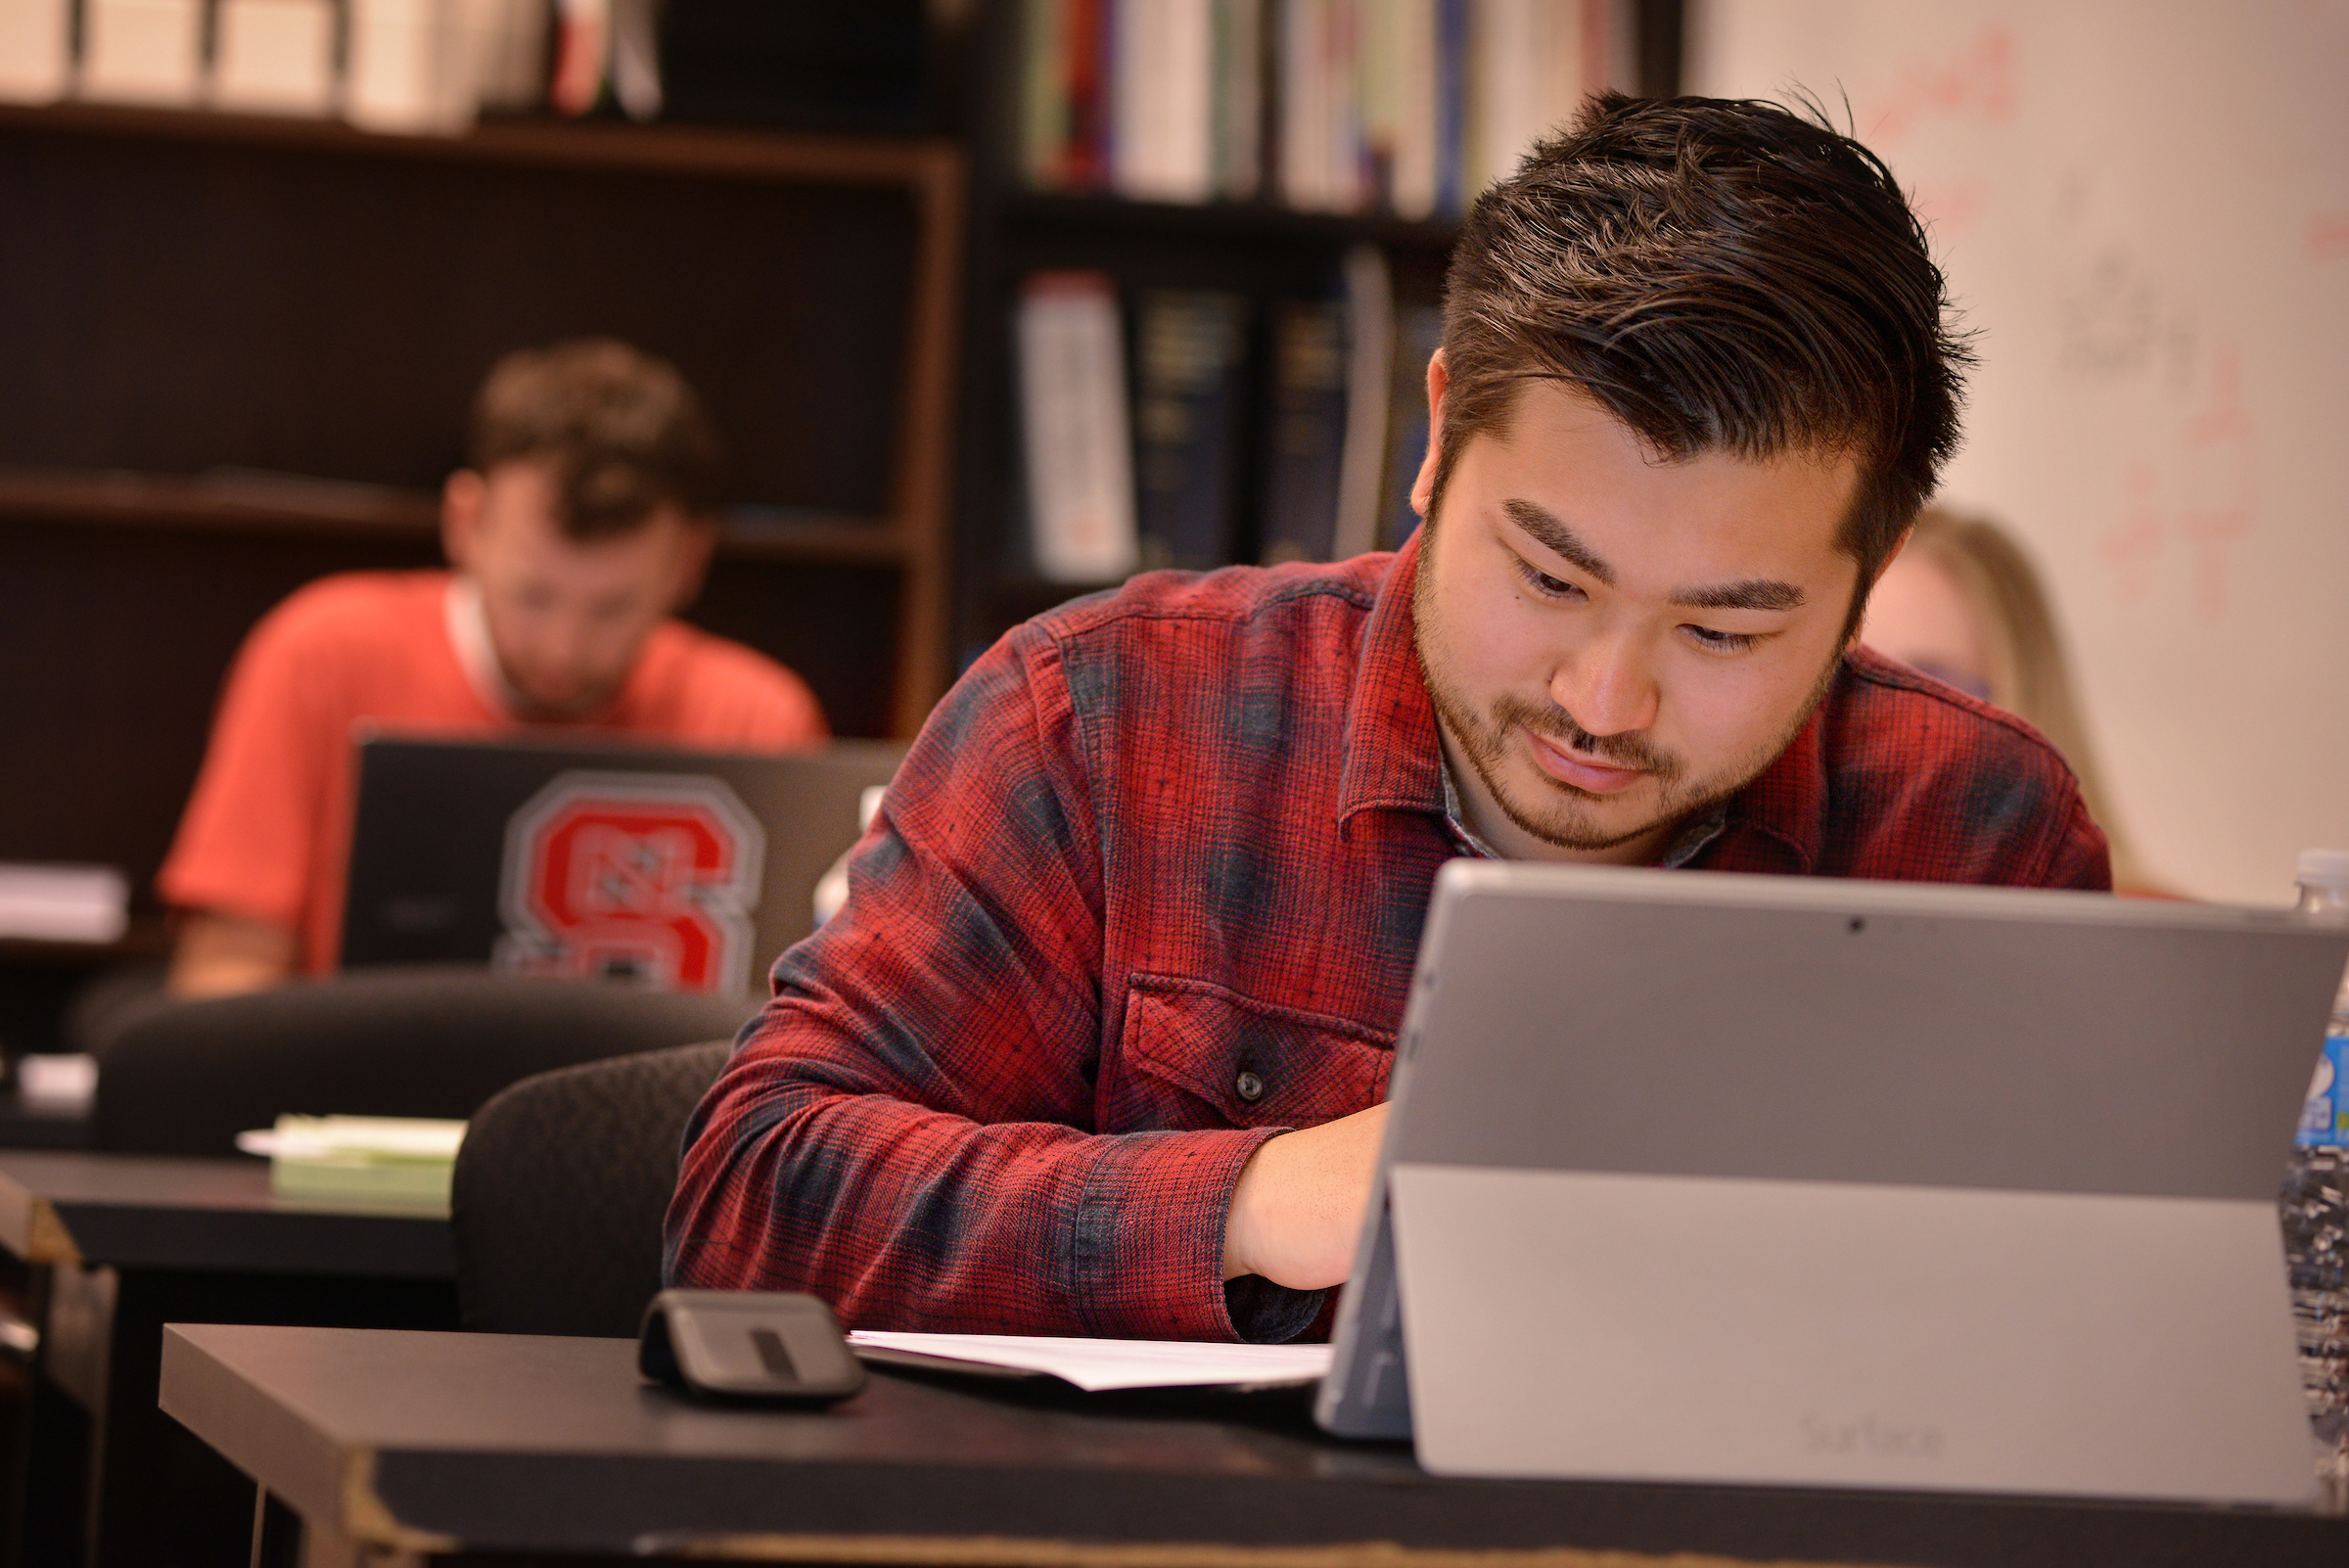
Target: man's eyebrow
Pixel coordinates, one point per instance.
(1754, 593)
(1553, 534)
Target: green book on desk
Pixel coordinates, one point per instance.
(360, 1159)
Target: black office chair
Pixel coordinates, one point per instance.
(561, 1184)
(187, 1076)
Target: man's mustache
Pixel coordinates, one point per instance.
(1622, 751)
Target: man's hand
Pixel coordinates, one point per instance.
(1297, 1211)
(220, 954)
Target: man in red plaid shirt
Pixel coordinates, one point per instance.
(1099, 1042)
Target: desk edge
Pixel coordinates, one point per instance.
(321, 1476)
(22, 1223)
(47, 1238)
(380, 1244)
(998, 1551)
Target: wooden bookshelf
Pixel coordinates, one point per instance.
(1260, 249)
(241, 351)
(873, 442)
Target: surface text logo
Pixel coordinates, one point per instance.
(1866, 1436)
(649, 875)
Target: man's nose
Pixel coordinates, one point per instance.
(1608, 685)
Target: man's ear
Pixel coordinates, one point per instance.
(1892, 555)
(461, 517)
(1423, 489)
(1882, 567)
(695, 541)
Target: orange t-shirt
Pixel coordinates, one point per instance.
(268, 831)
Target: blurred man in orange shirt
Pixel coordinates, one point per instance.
(575, 533)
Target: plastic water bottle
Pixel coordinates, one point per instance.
(2316, 1201)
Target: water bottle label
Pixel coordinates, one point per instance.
(2325, 1119)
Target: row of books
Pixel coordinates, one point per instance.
(411, 65)
(1193, 452)
(435, 65)
(1407, 107)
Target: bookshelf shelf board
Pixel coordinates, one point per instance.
(223, 504)
(1234, 219)
(269, 503)
(843, 542)
(784, 155)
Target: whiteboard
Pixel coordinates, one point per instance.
(2143, 209)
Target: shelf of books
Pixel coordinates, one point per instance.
(434, 67)
(255, 501)
(1407, 107)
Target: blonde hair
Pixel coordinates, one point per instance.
(2029, 675)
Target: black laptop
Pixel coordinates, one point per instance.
(685, 870)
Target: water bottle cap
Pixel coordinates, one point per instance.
(2325, 868)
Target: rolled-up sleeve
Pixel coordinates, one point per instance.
(908, 1129)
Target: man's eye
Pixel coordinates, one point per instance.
(1542, 582)
(1721, 641)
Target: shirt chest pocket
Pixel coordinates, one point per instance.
(1200, 1056)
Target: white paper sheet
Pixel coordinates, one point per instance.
(58, 1083)
(358, 1139)
(1098, 1365)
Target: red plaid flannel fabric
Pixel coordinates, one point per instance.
(1147, 891)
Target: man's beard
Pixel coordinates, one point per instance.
(572, 711)
(1569, 822)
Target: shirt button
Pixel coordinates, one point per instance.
(1250, 1086)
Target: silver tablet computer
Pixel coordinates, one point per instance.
(1737, 1179)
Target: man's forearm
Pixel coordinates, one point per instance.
(904, 1216)
(1297, 1211)
(220, 954)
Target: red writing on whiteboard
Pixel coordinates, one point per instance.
(2215, 487)
(2221, 482)
(1978, 84)
(2129, 546)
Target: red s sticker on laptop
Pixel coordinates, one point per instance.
(632, 874)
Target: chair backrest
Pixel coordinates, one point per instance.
(187, 1076)
(561, 1185)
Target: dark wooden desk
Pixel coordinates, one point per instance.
(27, 1125)
(414, 1447)
(128, 1211)
(119, 1244)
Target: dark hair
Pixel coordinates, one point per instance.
(620, 429)
(1721, 275)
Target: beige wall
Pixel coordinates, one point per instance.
(2144, 205)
